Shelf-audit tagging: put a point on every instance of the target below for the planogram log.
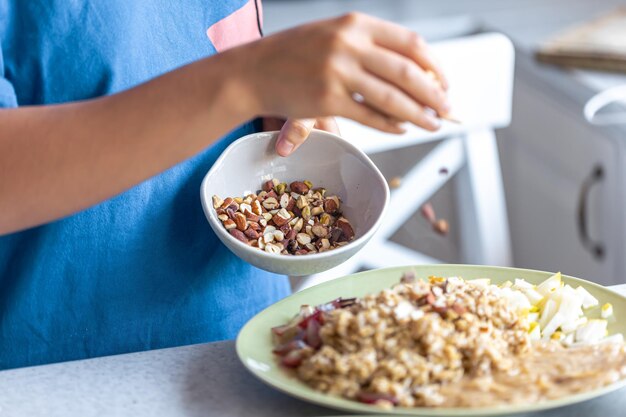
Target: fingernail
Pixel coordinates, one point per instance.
(433, 121)
(284, 147)
(445, 108)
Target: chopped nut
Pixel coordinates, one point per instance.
(251, 216)
(302, 202)
(281, 217)
(256, 207)
(268, 185)
(303, 238)
(217, 202)
(290, 219)
(331, 204)
(238, 234)
(240, 221)
(270, 203)
(346, 228)
(227, 202)
(299, 224)
(245, 207)
(229, 224)
(320, 230)
(316, 211)
(280, 188)
(251, 233)
(299, 187)
(272, 248)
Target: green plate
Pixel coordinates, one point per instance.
(254, 343)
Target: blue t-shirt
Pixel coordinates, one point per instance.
(142, 270)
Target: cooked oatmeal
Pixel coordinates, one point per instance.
(441, 342)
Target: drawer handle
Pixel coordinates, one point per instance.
(596, 248)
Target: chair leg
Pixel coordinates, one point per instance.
(481, 205)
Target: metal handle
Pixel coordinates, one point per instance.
(596, 248)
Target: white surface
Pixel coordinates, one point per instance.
(193, 381)
(327, 161)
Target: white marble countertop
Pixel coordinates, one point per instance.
(200, 380)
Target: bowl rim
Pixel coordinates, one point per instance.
(209, 211)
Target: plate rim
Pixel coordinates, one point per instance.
(337, 403)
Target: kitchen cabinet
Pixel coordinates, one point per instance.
(564, 179)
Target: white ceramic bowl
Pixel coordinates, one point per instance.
(324, 159)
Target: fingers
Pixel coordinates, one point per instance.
(406, 75)
(366, 115)
(391, 101)
(293, 134)
(328, 124)
(408, 43)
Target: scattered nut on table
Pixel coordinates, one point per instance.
(288, 219)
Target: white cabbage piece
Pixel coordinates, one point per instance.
(479, 282)
(588, 299)
(591, 332)
(550, 285)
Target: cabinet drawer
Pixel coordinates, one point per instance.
(555, 196)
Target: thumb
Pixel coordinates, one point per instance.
(292, 135)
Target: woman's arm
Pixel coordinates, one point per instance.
(56, 160)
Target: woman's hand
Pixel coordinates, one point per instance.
(355, 66)
(297, 130)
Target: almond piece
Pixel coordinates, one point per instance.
(271, 248)
(252, 234)
(303, 238)
(223, 217)
(238, 234)
(227, 202)
(240, 221)
(298, 226)
(229, 224)
(268, 186)
(256, 207)
(270, 203)
(217, 202)
(346, 228)
(320, 230)
(331, 204)
(299, 187)
(316, 211)
(284, 200)
(281, 217)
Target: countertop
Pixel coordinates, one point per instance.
(200, 380)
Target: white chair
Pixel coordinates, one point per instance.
(480, 72)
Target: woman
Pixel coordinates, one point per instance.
(113, 112)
